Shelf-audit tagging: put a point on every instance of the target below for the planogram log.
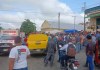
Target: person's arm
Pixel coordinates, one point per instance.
(11, 59)
(28, 53)
(11, 63)
(64, 47)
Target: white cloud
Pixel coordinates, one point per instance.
(36, 10)
(82, 14)
(12, 17)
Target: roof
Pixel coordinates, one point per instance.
(90, 10)
(65, 25)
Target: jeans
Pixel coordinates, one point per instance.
(86, 61)
(61, 54)
(90, 62)
(78, 45)
(26, 68)
(64, 59)
(49, 57)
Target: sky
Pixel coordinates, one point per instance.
(76, 5)
(14, 12)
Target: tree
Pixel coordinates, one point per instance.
(28, 26)
(1, 28)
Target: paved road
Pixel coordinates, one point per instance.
(36, 63)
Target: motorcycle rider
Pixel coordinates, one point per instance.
(65, 48)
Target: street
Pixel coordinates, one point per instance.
(36, 62)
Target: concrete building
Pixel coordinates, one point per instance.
(50, 26)
(94, 18)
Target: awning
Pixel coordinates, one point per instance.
(70, 31)
(93, 15)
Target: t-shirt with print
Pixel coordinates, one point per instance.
(90, 48)
(20, 54)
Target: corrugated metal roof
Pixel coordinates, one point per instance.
(97, 8)
(65, 25)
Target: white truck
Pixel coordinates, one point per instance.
(7, 38)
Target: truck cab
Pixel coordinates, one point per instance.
(6, 43)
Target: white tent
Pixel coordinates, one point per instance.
(53, 31)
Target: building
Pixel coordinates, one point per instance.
(94, 18)
(50, 26)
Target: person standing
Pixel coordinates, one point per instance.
(78, 44)
(94, 38)
(90, 47)
(51, 48)
(60, 44)
(18, 56)
(81, 41)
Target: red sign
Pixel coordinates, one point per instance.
(9, 32)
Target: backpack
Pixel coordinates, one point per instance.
(71, 51)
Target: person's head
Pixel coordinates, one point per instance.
(70, 40)
(18, 40)
(60, 39)
(89, 37)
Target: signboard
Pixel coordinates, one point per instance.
(9, 32)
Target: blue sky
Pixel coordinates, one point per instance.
(76, 5)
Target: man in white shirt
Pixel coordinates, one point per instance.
(18, 56)
(66, 56)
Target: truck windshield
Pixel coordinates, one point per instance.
(5, 37)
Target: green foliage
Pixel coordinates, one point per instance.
(1, 28)
(28, 27)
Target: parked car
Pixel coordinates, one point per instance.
(6, 43)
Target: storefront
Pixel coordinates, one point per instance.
(94, 18)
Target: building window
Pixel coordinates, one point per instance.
(98, 23)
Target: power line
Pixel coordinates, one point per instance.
(67, 14)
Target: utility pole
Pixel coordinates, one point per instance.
(74, 21)
(84, 8)
(59, 20)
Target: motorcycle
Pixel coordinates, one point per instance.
(71, 64)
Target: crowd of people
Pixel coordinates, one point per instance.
(62, 44)
(80, 40)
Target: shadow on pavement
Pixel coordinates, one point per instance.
(4, 55)
(38, 55)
